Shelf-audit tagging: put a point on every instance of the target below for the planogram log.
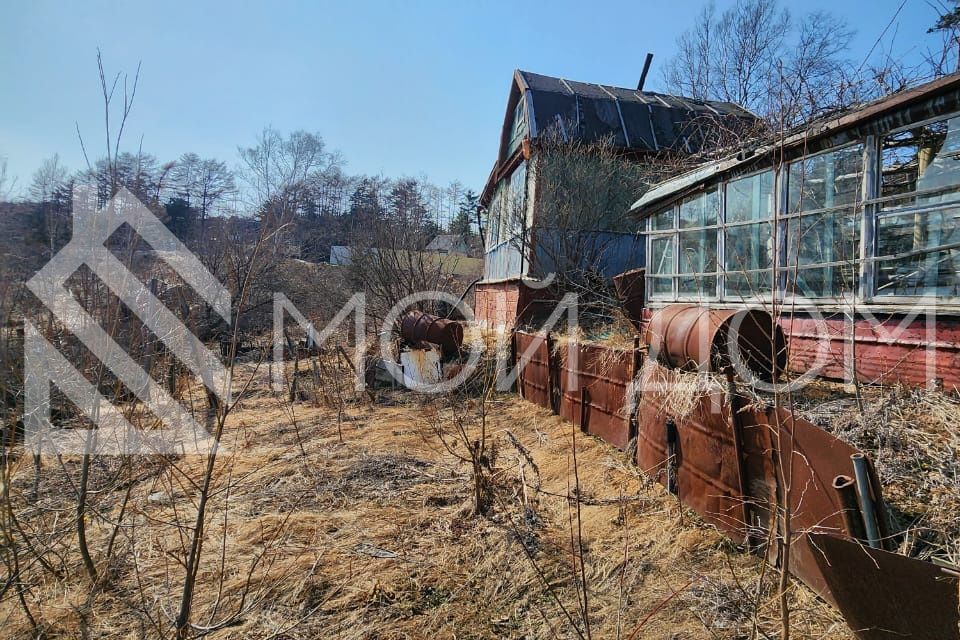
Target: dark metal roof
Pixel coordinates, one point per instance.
(641, 120)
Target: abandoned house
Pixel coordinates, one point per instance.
(851, 225)
(573, 157)
(455, 244)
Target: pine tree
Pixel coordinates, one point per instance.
(462, 223)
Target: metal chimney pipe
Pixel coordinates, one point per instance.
(643, 74)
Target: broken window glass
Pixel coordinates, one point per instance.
(918, 232)
(919, 253)
(922, 164)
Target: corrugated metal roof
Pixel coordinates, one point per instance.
(641, 120)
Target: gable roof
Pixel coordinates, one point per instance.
(640, 120)
(447, 242)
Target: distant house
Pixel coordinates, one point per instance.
(449, 244)
(523, 239)
(340, 255)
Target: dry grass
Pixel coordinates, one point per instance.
(371, 538)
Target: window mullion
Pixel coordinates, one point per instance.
(868, 221)
(721, 242)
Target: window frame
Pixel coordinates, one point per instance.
(775, 235)
(673, 233)
(874, 207)
(858, 209)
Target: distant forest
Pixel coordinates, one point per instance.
(292, 178)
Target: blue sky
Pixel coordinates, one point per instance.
(400, 88)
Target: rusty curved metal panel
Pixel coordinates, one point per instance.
(810, 459)
(883, 595)
(691, 336)
(734, 465)
(709, 473)
(706, 467)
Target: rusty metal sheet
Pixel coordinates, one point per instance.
(715, 483)
(605, 374)
(811, 458)
(705, 461)
(534, 379)
(883, 595)
(629, 286)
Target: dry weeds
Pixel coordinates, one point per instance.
(371, 537)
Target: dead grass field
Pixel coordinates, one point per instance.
(371, 537)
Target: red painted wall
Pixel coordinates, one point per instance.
(887, 350)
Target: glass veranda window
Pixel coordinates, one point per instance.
(697, 246)
(823, 230)
(662, 266)
(683, 249)
(748, 236)
(918, 221)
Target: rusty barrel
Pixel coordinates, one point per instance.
(690, 336)
(418, 327)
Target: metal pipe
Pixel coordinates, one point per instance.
(852, 518)
(883, 515)
(861, 470)
(671, 436)
(646, 69)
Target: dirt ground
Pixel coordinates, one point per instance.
(361, 527)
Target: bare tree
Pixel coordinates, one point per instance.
(748, 52)
(50, 189)
(6, 184)
(277, 169)
(202, 183)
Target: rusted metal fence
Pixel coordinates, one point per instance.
(585, 383)
(739, 466)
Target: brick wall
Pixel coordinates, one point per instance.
(496, 304)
